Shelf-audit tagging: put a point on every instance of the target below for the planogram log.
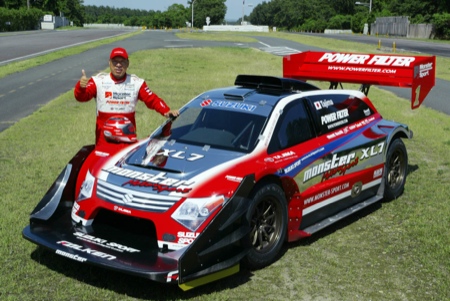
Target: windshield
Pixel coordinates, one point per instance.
(217, 128)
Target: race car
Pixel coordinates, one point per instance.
(242, 170)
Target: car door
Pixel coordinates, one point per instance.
(347, 167)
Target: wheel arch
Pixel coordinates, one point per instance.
(401, 132)
(288, 185)
(266, 180)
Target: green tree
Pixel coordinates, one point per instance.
(358, 21)
(442, 25)
(214, 9)
(73, 10)
(424, 9)
(176, 16)
(13, 4)
(19, 19)
(343, 7)
(340, 22)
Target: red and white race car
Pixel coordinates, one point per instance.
(242, 170)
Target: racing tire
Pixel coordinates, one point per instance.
(396, 169)
(268, 217)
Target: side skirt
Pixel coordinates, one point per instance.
(342, 214)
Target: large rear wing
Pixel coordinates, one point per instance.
(415, 72)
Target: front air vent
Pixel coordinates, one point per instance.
(238, 94)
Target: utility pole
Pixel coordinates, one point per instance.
(243, 5)
(192, 23)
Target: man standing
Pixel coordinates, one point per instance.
(117, 93)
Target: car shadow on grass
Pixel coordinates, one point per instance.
(411, 169)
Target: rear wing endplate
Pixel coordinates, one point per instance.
(414, 72)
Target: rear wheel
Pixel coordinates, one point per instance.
(396, 168)
(267, 216)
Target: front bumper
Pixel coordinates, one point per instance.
(105, 246)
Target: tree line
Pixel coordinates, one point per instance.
(291, 15)
(317, 15)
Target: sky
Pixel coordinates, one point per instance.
(234, 7)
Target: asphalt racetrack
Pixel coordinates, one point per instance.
(23, 92)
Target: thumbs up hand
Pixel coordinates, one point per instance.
(83, 80)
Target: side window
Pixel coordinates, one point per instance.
(337, 110)
(293, 127)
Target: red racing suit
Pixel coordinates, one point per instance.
(117, 97)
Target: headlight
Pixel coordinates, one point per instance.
(193, 212)
(87, 187)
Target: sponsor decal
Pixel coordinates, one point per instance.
(365, 59)
(335, 116)
(187, 237)
(159, 182)
(90, 251)
(123, 210)
(377, 173)
(234, 105)
(281, 157)
(118, 102)
(172, 276)
(424, 70)
(336, 124)
(362, 69)
(104, 243)
(341, 169)
(338, 165)
(108, 95)
(233, 178)
(71, 256)
(101, 154)
(349, 128)
(121, 95)
(323, 104)
(156, 187)
(326, 193)
(206, 103)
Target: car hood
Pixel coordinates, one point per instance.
(168, 166)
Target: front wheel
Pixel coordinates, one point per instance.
(396, 169)
(268, 218)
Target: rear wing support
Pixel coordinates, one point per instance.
(414, 72)
(363, 88)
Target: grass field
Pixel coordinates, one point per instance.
(397, 250)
